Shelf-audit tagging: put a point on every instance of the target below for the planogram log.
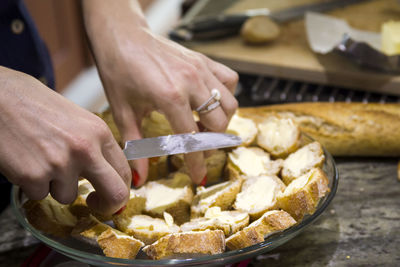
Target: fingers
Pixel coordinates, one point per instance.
(111, 190)
(64, 188)
(128, 123)
(224, 74)
(35, 191)
(181, 120)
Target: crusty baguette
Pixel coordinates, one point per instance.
(244, 128)
(301, 161)
(229, 221)
(50, 216)
(344, 129)
(258, 195)
(278, 136)
(254, 161)
(174, 245)
(173, 195)
(88, 229)
(221, 195)
(146, 228)
(119, 245)
(270, 223)
(301, 196)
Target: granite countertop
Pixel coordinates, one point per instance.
(361, 227)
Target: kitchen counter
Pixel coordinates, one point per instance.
(361, 227)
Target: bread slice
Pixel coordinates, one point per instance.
(221, 195)
(146, 228)
(258, 195)
(228, 221)
(88, 229)
(119, 245)
(79, 207)
(270, 223)
(49, 216)
(215, 164)
(134, 206)
(254, 161)
(244, 128)
(301, 196)
(182, 244)
(172, 195)
(278, 136)
(301, 161)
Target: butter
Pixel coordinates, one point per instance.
(251, 161)
(169, 220)
(242, 127)
(276, 133)
(391, 38)
(143, 222)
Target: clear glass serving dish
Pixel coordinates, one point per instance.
(83, 252)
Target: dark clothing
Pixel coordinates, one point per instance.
(22, 49)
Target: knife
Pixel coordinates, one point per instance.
(213, 27)
(178, 143)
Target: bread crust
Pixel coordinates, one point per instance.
(269, 223)
(344, 129)
(203, 242)
(119, 246)
(304, 200)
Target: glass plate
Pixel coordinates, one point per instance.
(83, 252)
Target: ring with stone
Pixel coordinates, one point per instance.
(211, 103)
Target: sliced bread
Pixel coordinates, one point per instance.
(278, 136)
(182, 244)
(258, 195)
(228, 221)
(301, 161)
(244, 128)
(119, 245)
(269, 223)
(301, 196)
(222, 195)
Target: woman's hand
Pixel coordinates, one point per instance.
(142, 72)
(47, 143)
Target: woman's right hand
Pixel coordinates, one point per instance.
(48, 142)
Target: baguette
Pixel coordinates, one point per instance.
(146, 228)
(278, 136)
(302, 196)
(269, 223)
(49, 216)
(119, 245)
(228, 221)
(222, 195)
(254, 161)
(181, 244)
(301, 161)
(258, 195)
(344, 129)
(88, 229)
(172, 195)
(245, 128)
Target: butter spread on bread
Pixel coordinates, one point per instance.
(245, 128)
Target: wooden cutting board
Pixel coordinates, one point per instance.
(290, 56)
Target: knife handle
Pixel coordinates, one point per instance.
(209, 27)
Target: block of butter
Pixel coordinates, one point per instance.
(391, 38)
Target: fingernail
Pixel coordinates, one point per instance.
(135, 177)
(120, 210)
(204, 181)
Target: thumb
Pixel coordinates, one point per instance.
(129, 127)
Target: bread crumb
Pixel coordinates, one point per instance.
(362, 189)
(347, 257)
(332, 211)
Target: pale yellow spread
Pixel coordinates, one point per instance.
(242, 127)
(251, 161)
(158, 195)
(391, 38)
(277, 134)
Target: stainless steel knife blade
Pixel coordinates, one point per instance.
(213, 27)
(178, 143)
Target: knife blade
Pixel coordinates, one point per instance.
(177, 144)
(213, 27)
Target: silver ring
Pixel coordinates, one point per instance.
(211, 103)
